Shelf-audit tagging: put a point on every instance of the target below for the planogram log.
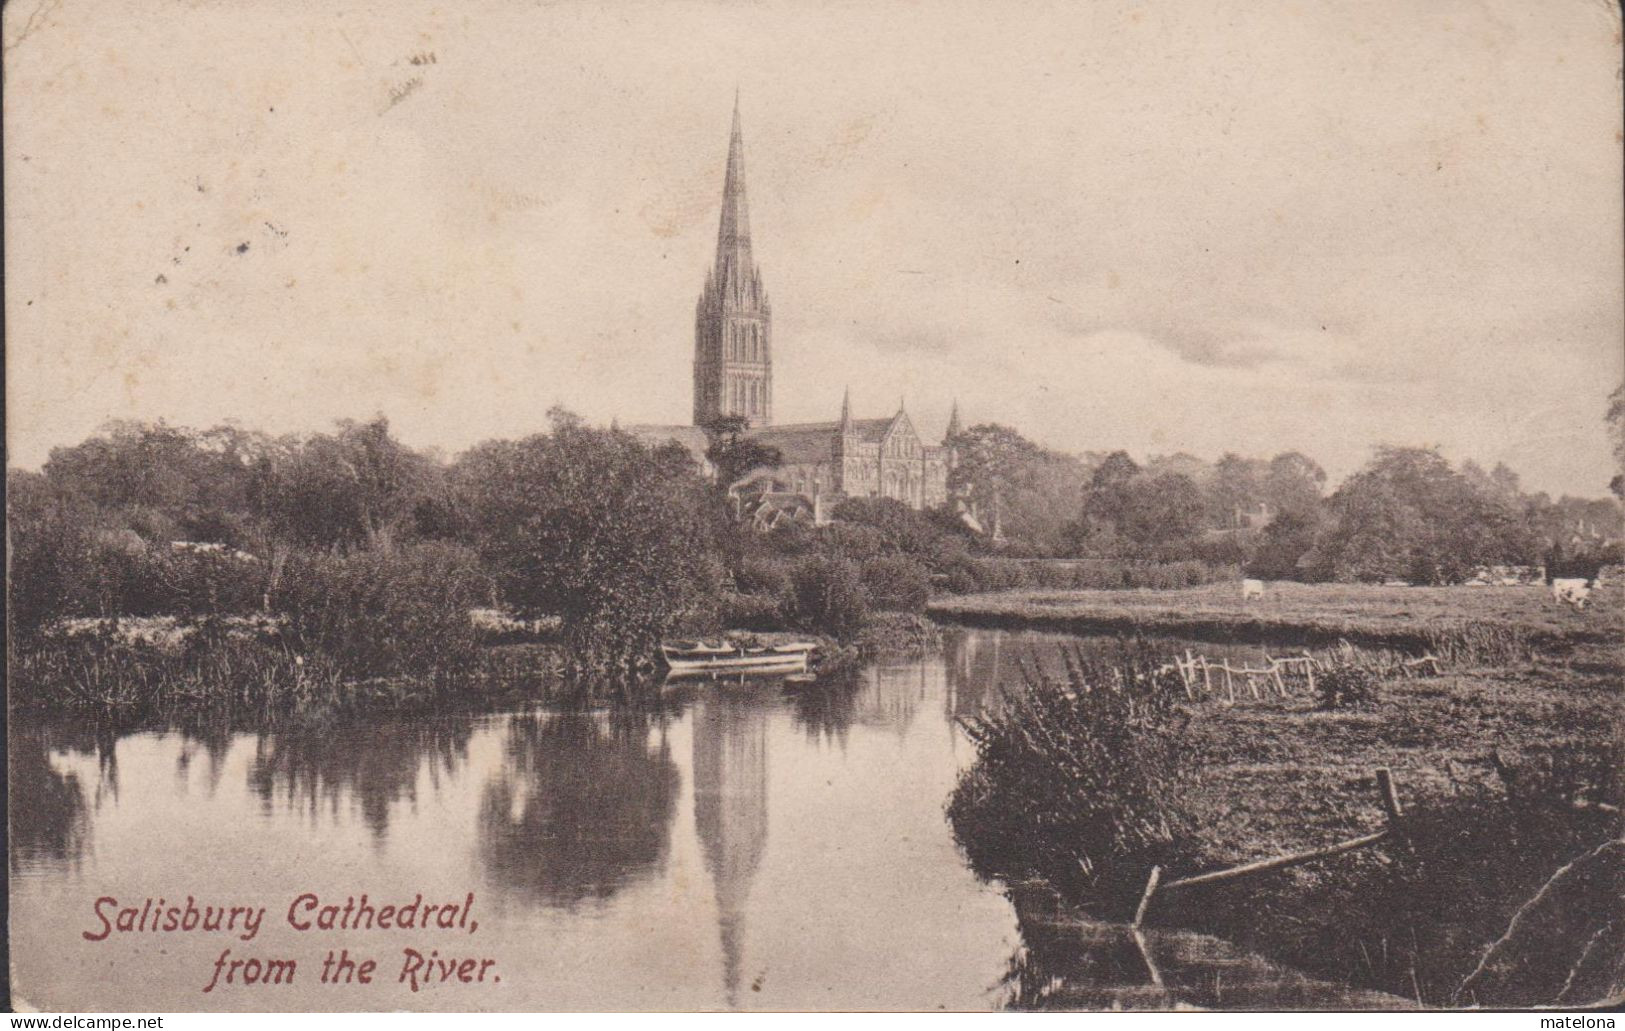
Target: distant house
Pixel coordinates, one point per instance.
(770, 510)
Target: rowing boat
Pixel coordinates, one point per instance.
(700, 657)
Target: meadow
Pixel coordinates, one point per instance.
(1502, 890)
(1373, 614)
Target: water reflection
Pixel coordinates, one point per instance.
(1070, 963)
(818, 871)
(370, 765)
(883, 696)
(49, 818)
(824, 709)
(213, 743)
(730, 809)
(582, 805)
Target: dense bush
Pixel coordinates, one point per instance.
(1347, 685)
(751, 611)
(827, 596)
(1078, 778)
(764, 576)
(896, 584)
(1003, 574)
(1409, 516)
(618, 539)
(899, 633)
(385, 612)
(68, 559)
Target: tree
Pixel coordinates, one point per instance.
(903, 531)
(1161, 509)
(1284, 542)
(733, 453)
(1106, 499)
(990, 461)
(353, 488)
(1236, 488)
(1408, 515)
(1036, 512)
(164, 482)
(50, 538)
(617, 538)
(1293, 483)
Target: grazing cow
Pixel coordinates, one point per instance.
(1252, 589)
(1571, 590)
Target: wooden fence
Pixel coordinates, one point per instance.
(1284, 675)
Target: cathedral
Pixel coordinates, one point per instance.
(823, 462)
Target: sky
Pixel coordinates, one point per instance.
(1161, 227)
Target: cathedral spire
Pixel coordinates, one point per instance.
(733, 346)
(735, 269)
(846, 411)
(954, 428)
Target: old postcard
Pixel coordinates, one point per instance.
(949, 505)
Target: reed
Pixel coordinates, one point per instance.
(1079, 777)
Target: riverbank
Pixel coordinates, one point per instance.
(1311, 614)
(1507, 772)
(250, 670)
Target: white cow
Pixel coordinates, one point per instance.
(1571, 590)
(1252, 589)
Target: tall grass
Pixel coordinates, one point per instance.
(213, 668)
(1482, 643)
(1079, 777)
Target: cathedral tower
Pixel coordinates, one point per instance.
(733, 354)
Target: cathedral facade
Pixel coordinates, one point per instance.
(822, 462)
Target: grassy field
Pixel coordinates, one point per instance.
(1509, 771)
(1362, 613)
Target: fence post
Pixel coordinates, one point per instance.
(1390, 805)
(1145, 897)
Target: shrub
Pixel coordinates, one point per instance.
(385, 612)
(896, 584)
(1347, 685)
(899, 633)
(1078, 778)
(853, 541)
(959, 577)
(826, 594)
(751, 611)
(763, 576)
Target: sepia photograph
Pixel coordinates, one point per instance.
(808, 506)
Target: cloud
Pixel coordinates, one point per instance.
(1205, 229)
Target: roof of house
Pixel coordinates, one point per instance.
(808, 442)
(802, 443)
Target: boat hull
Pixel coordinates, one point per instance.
(770, 663)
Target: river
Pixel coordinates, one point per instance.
(758, 845)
